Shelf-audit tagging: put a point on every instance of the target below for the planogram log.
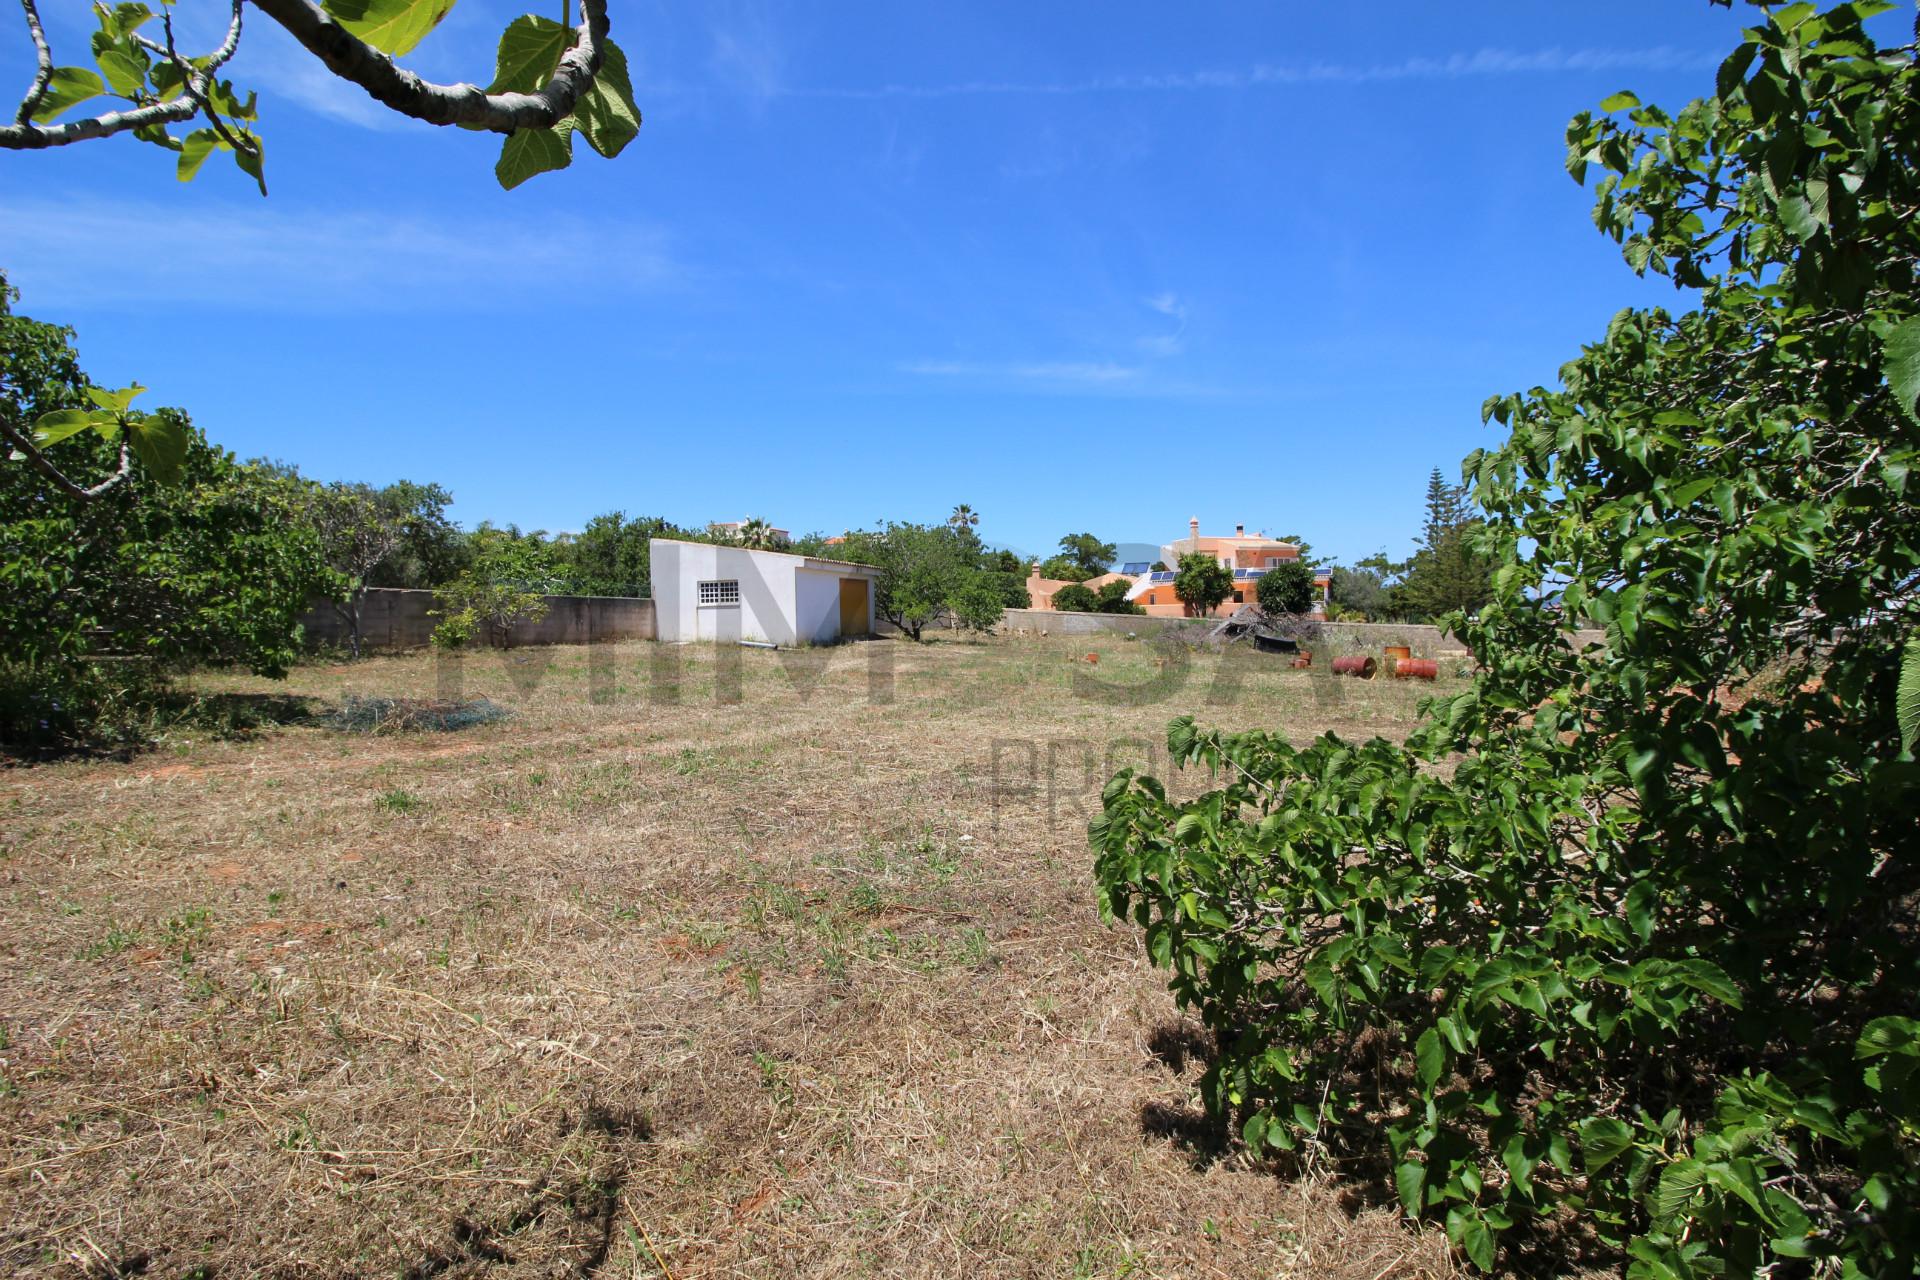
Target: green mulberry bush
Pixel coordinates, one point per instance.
(1621, 948)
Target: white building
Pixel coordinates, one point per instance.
(706, 592)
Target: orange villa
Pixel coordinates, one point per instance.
(1248, 555)
(1041, 589)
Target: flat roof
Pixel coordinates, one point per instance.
(806, 561)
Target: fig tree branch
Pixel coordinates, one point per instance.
(463, 104)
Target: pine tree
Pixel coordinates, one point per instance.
(1447, 573)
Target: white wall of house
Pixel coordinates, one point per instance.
(781, 598)
(816, 598)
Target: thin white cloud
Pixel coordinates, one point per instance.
(1161, 346)
(747, 55)
(1104, 378)
(257, 256)
(297, 77)
(1086, 372)
(1485, 62)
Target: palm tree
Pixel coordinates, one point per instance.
(964, 517)
(758, 534)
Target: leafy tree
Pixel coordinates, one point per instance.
(550, 82)
(1627, 935)
(1089, 555)
(927, 574)
(1010, 587)
(612, 555)
(1075, 598)
(1006, 562)
(1202, 583)
(45, 399)
(964, 517)
(504, 586)
(1286, 588)
(360, 529)
(812, 543)
(1366, 588)
(432, 549)
(978, 604)
(1065, 568)
(1448, 572)
(1908, 707)
(143, 571)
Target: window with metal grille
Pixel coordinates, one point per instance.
(725, 591)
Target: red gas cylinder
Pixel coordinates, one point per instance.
(1360, 668)
(1416, 669)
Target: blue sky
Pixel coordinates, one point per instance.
(1084, 266)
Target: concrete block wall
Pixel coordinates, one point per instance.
(1340, 637)
(397, 619)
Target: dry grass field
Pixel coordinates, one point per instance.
(700, 964)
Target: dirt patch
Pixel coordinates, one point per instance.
(169, 773)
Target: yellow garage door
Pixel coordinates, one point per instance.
(853, 606)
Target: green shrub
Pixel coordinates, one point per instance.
(1623, 942)
(1286, 588)
(505, 584)
(51, 708)
(1112, 598)
(1075, 598)
(456, 628)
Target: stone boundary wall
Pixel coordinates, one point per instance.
(397, 619)
(393, 618)
(1341, 637)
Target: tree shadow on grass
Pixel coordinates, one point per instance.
(57, 725)
(1180, 1044)
(239, 715)
(1355, 1165)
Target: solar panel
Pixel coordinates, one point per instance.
(1162, 575)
